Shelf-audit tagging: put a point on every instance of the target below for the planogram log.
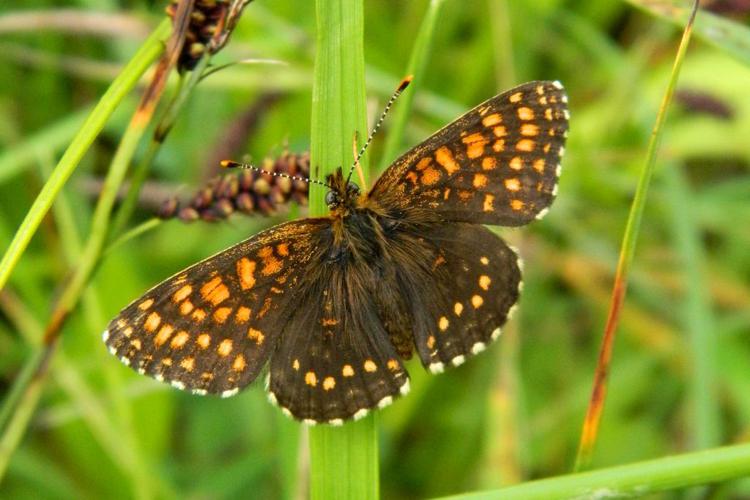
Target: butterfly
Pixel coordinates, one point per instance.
(335, 305)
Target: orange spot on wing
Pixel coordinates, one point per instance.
(515, 97)
(239, 363)
(423, 163)
(214, 291)
(488, 163)
(347, 371)
(529, 129)
(370, 366)
(246, 273)
(516, 163)
(203, 340)
(493, 119)
(311, 379)
(525, 145)
(152, 322)
(243, 314)
(164, 333)
(179, 340)
(255, 335)
(188, 364)
(480, 180)
(516, 205)
(539, 165)
(221, 314)
(186, 307)
(199, 315)
(271, 264)
(525, 113)
(182, 293)
(484, 282)
(475, 144)
(146, 304)
(512, 184)
(412, 177)
(477, 301)
(430, 176)
(445, 158)
(282, 249)
(329, 383)
(225, 347)
(488, 206)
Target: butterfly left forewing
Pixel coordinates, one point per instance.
(212, 327)
(497, 164)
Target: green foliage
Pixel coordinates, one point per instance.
(679, 374)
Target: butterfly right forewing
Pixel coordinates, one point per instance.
(497, 164)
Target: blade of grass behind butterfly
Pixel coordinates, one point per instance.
(50, 139)
(705, 422)
(417, 62)
(343, 460)
(119, 88)
(721, 32)
(591, 422)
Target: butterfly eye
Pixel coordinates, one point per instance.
(331, 198)
(352, 188)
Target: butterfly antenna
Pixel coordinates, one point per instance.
(246, 166)
(404, 83)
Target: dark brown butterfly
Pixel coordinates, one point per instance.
(337, 303)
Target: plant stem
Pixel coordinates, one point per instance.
(343, 460)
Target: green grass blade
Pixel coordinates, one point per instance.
(119, 88)
(343, 460)
(46, 141)
(633, 480)
(721, 32)
(697, 318)
(417, 63)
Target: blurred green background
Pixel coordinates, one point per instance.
(679, 378)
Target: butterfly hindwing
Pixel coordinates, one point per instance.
(212, 327)
(470, 293)
(497, 164)
(335, 360)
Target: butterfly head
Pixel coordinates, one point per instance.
(343, 195)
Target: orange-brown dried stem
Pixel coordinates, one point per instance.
(247, 191)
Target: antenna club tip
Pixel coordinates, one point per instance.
(226, 163)
(405, 82)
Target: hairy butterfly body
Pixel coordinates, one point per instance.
(334, 305)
